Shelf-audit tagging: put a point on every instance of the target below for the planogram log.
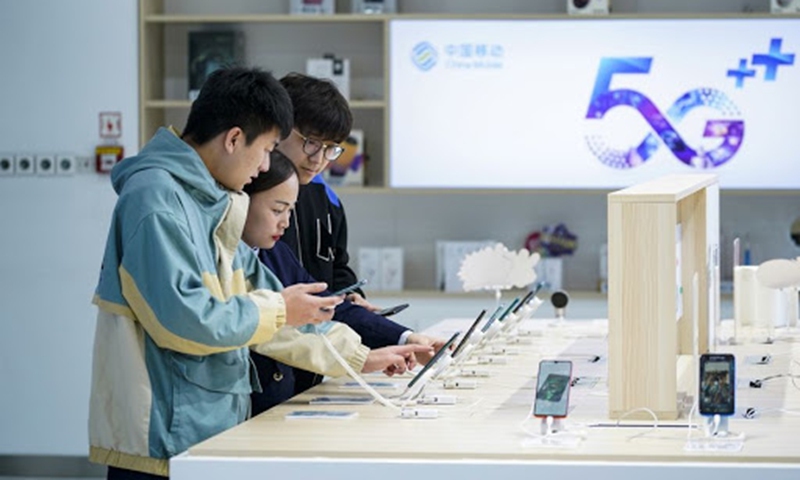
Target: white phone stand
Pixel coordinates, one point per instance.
(716, 437)
(553, 433)
(524, 313)
(414, 392)
(550, 425)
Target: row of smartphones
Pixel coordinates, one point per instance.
(716, 396)
(717, 389)
(499, 314)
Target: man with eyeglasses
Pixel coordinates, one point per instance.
(317, 233)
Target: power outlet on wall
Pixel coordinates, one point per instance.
(45, 164)
(6, 164)
(84, 164)
(24, 164)
(66, 164)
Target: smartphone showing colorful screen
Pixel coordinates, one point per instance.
(552, 388)
(717, 384)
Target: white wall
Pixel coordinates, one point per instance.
(62, 63)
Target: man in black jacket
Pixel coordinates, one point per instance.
(318, 230)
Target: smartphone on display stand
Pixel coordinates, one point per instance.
(465, 338)
(552, 389)
(388, 312)
(411, 391)
(717, 395)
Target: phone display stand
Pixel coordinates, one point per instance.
(716, 437)
(415, 391)
(524, 313)
(553, 432)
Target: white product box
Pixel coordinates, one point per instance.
(449, 255)
(312, 7)
(381, 267)
(335, 69)
(369, 268)
(374, 7)
(391, 269)
(551, 271)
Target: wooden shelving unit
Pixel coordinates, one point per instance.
(660, 235)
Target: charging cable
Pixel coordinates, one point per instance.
(759, 382)
(374, 393)
(403, 409)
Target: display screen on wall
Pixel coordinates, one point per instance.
(594, 103)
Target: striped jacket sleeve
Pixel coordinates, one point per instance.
(173, 297)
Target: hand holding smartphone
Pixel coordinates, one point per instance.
(388, 312)
(351, 288)
(346, 290)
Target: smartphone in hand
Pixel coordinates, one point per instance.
(388, 312)
(345, 291)
(351, 288)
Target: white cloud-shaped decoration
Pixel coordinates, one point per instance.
(493, 268)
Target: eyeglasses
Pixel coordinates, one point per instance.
(310, 147)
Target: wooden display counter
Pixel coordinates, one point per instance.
(482, 436)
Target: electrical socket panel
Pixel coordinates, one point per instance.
(45, 164)
(24, 164)
(66, 164)
(6, 164)
(84, 164)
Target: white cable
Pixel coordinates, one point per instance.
(691, 426)
(642, 409)
(377, 396)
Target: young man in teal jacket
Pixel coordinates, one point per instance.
(180, 297)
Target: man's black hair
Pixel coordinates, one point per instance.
(320, 110)
(248, 98)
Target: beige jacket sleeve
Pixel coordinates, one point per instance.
(308, 351)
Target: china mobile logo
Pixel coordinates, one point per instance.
(424, 56)
(727, 126)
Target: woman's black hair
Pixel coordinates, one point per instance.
(280, 170)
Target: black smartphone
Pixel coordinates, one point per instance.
(388, 312)
(552, 388)
(433, 360)
(525, 299)
(351, 288)
(508, 310)
(491, 320)
(465, 338)
(717, 384)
